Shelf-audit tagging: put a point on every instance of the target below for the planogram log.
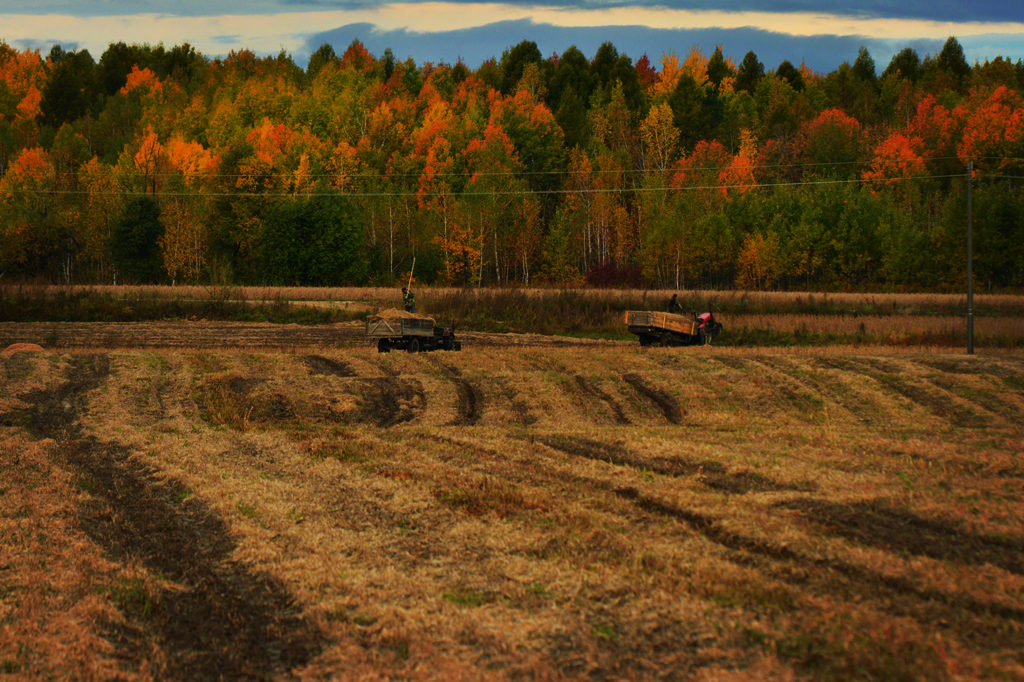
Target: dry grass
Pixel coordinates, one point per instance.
(594, 511)
(886, 326)
(61, 601)
(898, 301)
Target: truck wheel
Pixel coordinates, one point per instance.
(383, 346)
(449, 343)
(414, 346)
(666, 339)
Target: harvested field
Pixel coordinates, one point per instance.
(558, 509)
(243, 335)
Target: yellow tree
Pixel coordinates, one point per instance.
(500, 203)
(660, 138)
(671, 71)
(151, 161)
(759, 262)
(184, 210)
(437, 201)
(101, 208)
(696, 66)
(578, 205)
(24, 74)
(738, 176)
(610, 227)
(344, 167)
(26, 208)
(142, 81)
(384, 166)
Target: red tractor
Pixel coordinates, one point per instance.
(668, 329)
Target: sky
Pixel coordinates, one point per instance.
(821, 33)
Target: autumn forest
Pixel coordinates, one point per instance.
(156, 165)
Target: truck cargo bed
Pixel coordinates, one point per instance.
(399, 326)
(652, 321)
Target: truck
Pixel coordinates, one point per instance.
(400, 330)
(669, 329)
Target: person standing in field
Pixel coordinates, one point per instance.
(673, 305)
(408, 300)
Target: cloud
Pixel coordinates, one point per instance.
(975, 10)
(435, 30)
(472, 46)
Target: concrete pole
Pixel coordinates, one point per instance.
(970, 261)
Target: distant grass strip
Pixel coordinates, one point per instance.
(578, 306)
(18, 305)
(568, 313)
(814, 319)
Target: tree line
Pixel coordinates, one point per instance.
(161, 165)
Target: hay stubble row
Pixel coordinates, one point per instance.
(580, 511)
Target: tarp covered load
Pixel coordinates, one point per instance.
(397, 314)
(393, 323)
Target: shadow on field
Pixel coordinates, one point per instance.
(988, 623)
(874, 523)
(711, 473)
(222, 620)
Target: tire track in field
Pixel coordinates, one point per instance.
(893, 378)
(388, 401)
(470, 399)
(520, 408)
(318, 364)
(241, 401)
(962, 616)
(583, 392)
(977, 382)
(226, 621)
(590, 389)
(770, 390)
(864, 406)
(711, 473)
(981, 624)
(662, 399)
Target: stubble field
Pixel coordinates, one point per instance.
(548, 510)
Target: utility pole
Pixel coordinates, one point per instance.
(970, 259)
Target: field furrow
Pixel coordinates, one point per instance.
(594, 510)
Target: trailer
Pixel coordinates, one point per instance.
(410, 332)
(656, 328)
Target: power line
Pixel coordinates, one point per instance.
(519, 173)
(522, 192)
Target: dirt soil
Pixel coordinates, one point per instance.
(246, 335)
